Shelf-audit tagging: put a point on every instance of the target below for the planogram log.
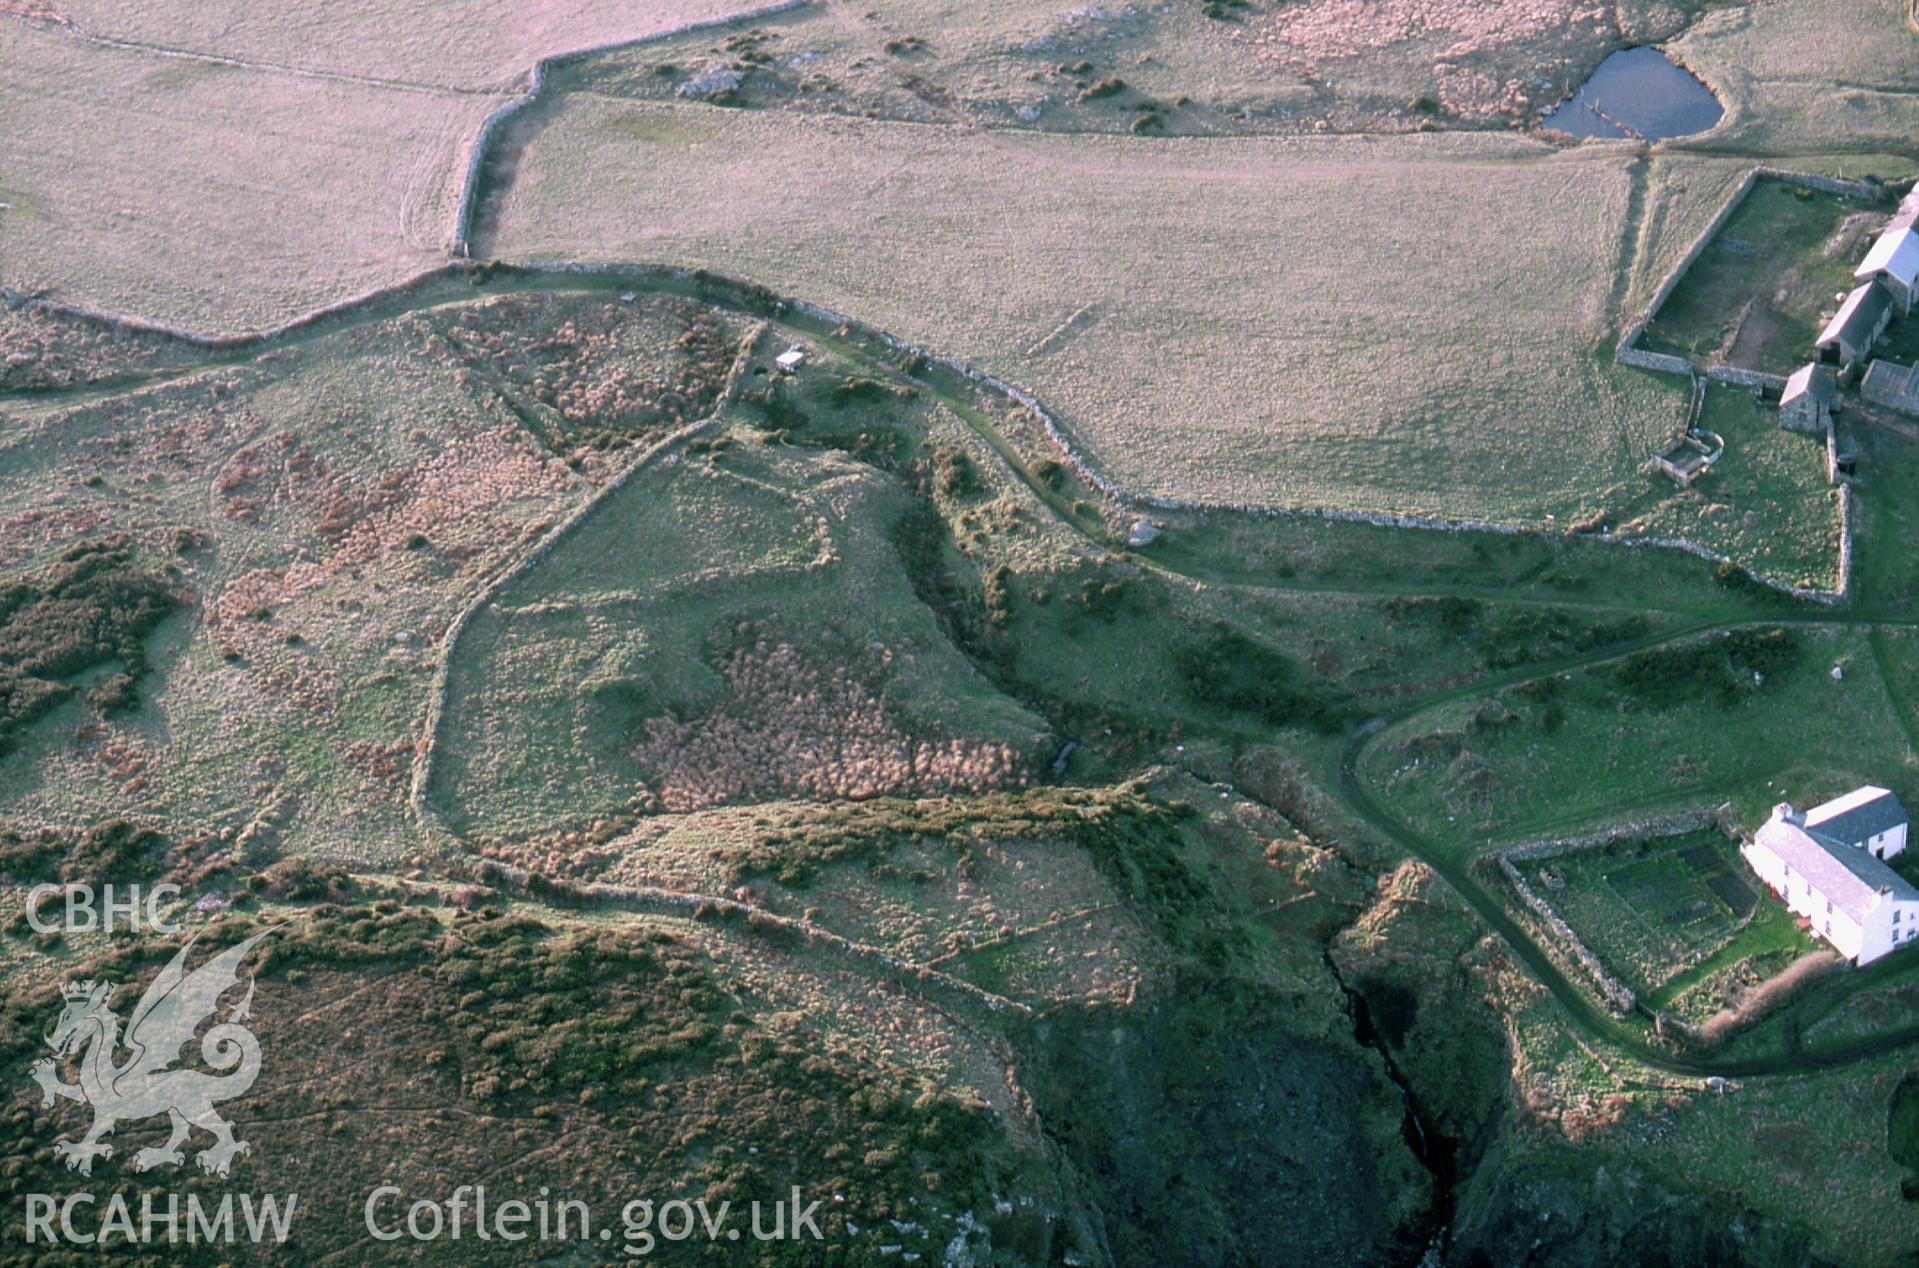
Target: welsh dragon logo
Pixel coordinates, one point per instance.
(145, 1084)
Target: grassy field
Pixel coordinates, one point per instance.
(1750, 1163)
(1334, 367)
(1766, 503)
(1684, 725)
(1683, 193)
(1759, 294)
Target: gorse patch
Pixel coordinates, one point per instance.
(867, 832)
(1228, 671)
(1720, 669)
(92, 608)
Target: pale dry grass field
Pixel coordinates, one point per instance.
(1406, 324)
(483, 45)
(226, 167)
(222, 198)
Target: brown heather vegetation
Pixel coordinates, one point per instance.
(442, 497)
(594, 373)
(41, 350)
(1482, 58)
(789, 726)
(605, 1063)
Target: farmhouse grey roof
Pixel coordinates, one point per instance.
(1895, 254)
(1812, 380)
(1858, 816)
(1851, 879)
(1858, 319)
(1908, 213)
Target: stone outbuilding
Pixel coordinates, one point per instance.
(1809, 399)
(1848, 338)
(1892, 385)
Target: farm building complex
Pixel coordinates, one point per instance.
(1829, 865)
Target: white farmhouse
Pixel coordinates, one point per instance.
(1828, 864)
(1893, 262)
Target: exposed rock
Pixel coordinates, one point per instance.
(715, 81)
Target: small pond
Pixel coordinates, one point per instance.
(1637, 92)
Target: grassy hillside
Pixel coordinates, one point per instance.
(324, 512)
(1682, 725)
(726, 664)
(1809, 76)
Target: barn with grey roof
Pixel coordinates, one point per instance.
(1862, 318)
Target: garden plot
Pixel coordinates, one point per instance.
(1333, 365)
(1647, 909)
(185, 191)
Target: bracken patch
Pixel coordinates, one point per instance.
(788, 726)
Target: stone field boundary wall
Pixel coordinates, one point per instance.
(482, 140)
(1630, 353)
(755, 298)
(1616, 994)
